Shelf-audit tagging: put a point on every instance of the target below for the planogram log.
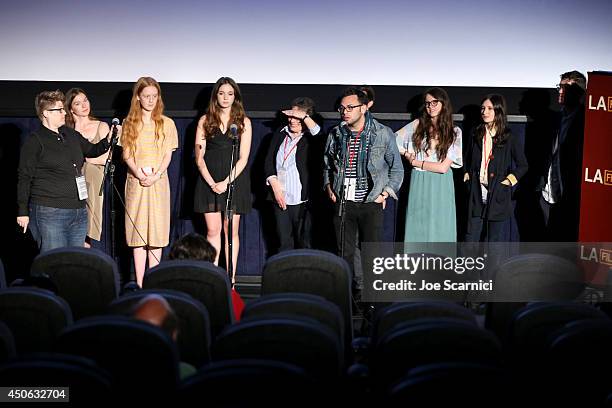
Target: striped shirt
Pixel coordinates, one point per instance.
(350, 176)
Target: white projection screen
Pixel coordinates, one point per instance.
(503, 43)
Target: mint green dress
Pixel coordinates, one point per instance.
(430, 215)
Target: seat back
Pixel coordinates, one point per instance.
(193, 338)
(35, 317)
(86, 278)
(311, 271)
(202, 280)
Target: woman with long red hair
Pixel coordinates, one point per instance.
(213, 151)
(148, 140)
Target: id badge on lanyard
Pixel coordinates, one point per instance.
(81, 185)
(349, 188)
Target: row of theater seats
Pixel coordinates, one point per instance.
(295, 343)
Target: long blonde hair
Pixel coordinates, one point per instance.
(133, 121)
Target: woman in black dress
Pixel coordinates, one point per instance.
(213, 151)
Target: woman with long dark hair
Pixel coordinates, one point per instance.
(497, 162)
(213, 155)
(80, 118)
(148, 140)
(432, 145)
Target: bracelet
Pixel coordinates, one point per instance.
(422, 164)
(304, 118)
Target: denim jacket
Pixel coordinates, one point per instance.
(384, 164)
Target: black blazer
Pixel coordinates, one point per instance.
(508, 158)
(301, 160)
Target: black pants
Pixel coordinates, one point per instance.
(560, 222)
(493, 231)
(292, 227)
(365, 219)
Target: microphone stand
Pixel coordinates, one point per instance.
(109, 169)
(229, 212)
(342, 206)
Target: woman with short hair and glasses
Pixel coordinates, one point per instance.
(497, 162)
(80, 118)
(432, 145)
(148, 140)
(51, 190)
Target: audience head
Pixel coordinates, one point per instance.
(156, 310)
(193, 246)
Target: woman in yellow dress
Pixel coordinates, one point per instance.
(148, 140)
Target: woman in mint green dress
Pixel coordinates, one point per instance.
(430, 216)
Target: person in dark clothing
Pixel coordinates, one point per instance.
(287, 173)
(560, 185)
(51, 189)
(495, 164)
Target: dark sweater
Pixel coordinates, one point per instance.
(48, 165)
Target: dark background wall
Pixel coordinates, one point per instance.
(531, 110)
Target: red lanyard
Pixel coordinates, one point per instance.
(351, 151)
(285, 154)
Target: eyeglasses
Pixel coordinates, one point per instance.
(433, 103)
(56, 110)
(348, 108)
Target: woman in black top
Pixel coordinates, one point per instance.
(495, 164)
(51, 191)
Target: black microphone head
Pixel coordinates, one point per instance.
(116, 122)
(234, 130)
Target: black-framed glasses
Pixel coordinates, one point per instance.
(432, 104)
(348, 108)
(56, 110)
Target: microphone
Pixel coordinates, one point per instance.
(344, 125)
(114, 124)
(234, 131)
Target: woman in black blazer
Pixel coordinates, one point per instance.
(286, 170)
(495, 164)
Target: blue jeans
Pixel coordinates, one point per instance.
(58, 227)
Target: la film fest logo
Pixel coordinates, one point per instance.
(600, 103)
(599, 176)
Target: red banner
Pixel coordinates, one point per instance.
(596, 186)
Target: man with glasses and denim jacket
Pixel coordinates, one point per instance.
(362, 164)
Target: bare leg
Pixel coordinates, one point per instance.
(154, 255)
(140, 259)
(213, 225)
(235, 244)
